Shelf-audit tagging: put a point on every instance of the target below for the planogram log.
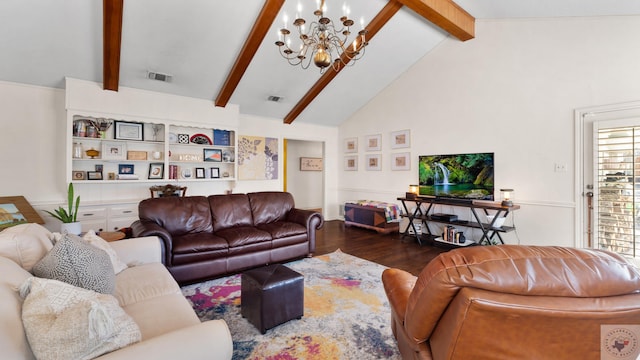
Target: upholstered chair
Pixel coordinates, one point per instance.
(516, 302)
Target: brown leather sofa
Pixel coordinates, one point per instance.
(207, 237)
(512, 302)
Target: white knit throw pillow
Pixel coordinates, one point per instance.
(67, 322)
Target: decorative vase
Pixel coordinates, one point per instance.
(74, 228)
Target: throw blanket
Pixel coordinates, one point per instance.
(391, 211)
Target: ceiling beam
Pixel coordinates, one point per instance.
(258, 32)
(374, 26)
(445, 14)
(111, 41)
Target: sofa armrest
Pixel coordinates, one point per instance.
(398, 285)
(138, 251)
(209, 340)
(141, 228)
(311, 220)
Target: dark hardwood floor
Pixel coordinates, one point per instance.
(391, 250)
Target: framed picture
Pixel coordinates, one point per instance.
(212, 155)
(400, 139)
(351, 145)
(125, 130)
(99, 167)
(114, 151)
(77, 175)
(17, 210)
(156, 171)
(310, 164)
(401, 161)
(351, 163)
(215, 172)
(200, 173)
(374, 162)
(373, 142)
(125, 169)
(94, 175)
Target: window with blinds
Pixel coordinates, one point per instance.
(618, 173)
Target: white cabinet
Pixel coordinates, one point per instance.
(97, 217)
(103, 148)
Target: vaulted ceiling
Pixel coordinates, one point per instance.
(224, 51)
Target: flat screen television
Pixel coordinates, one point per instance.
(458, 176)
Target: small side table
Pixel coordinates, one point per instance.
(112, 235)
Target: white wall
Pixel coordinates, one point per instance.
(511, 91)
(300, 182)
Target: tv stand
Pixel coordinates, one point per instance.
(489, 231)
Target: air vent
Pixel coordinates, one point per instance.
(159, 76)
(275, 98)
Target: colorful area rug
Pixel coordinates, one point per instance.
(346, 313)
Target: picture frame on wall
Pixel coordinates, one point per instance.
(310, 164)
(125, 130)
(401, 139)
(114, 151)
(373, 162)
(156, 171)
(401, 161)
(373, 142)
(351, 145)
(351, 163)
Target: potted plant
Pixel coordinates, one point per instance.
(68, 216)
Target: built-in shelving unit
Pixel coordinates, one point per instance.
(103, 148)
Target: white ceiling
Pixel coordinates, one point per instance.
(197, 42)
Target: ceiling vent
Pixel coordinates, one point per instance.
(275, 98)
(159, 76)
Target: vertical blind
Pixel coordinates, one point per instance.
(618, 172)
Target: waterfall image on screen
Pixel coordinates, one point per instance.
(462, 176)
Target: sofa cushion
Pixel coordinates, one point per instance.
(78, 263)
(66, 322)
(195, 243)
(270, 206)
(25, 244)
(243, 235)
(230, 211)
(92, 238)
(143, 282)
(282, 229)
(178, 215)
(13, 340)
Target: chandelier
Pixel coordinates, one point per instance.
(322, 42)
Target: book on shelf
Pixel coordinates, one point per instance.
(128, 177)
(221, 137)
(173, 171)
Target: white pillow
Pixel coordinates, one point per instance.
(67, 322)
(102, 244)
(25, 244)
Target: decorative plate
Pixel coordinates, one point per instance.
(183, 138)
(173, 138)
(201, 139)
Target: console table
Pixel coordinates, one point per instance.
(489, 231)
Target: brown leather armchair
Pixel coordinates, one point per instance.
(512, 302)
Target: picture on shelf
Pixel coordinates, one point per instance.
(212, 155)
(77, 175)
(125, 169)
(94, 175)
(200, 173)
(156, 171)
(215, 172)
(114, 151)
(125, 130)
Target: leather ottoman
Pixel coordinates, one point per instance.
(271, 295)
